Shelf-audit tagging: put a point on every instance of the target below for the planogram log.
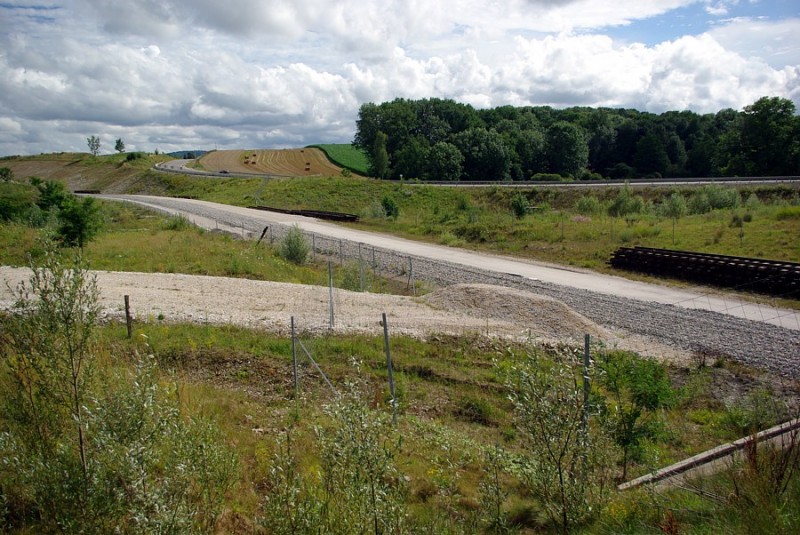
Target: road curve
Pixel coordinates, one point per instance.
(238, 218)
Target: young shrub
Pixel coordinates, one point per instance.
(362, 490)
(390, 208)
(493, 493)
(566, 469)
(290, 504)
(589, 205)
(520, 206)
(639, 388)
(89, 453)
(79, 221)
(294, 247)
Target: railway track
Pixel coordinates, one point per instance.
(772, 277)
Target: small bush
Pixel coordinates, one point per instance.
(589, 205)
(390, 208)
(547, 177)
(476, 410)
(176, 223)
(294, 247)
(520, 206)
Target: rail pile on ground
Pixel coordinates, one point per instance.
(771, 277)
(319, 214)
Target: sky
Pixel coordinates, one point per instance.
(249, 74)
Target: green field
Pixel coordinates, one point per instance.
(347, 156)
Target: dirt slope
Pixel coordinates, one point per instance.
(286, 162)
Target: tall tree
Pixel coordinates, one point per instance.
(651, 156)
(94, 144)
(445, 162)
(763, 140)
(379, 157)
(486, 156)
(119, 146)
(567, 149)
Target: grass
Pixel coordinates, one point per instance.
(134, 239)
(347, 156)
(452, 405)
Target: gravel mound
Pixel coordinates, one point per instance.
(543, 315)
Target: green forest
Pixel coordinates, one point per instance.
(442, 140)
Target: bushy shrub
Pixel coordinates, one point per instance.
(390, 207)
(547, 177)
(713, 198)
(569, 470)
(357, 489)
(86, 450)
(520, 206)
(589, 205)
(294, 247)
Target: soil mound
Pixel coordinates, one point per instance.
(542, 315)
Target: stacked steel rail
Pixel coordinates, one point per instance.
(773, 277)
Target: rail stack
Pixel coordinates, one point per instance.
(319, 214)
(773, 277)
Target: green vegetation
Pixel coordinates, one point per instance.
(47, 204)
(347, 156)
(573, 227)
(91, 443)
(411, 138)
(468, 454)
(294, 247)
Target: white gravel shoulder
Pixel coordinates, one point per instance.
(484, 309)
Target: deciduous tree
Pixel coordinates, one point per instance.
(94, 144)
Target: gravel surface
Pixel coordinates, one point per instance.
(656, 329)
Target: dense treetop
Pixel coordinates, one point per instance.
(436, 139)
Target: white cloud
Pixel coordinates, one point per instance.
(775, 42)
(173, 74)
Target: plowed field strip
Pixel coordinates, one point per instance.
(288, 162)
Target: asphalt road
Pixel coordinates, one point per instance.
(236, 219)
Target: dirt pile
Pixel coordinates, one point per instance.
(543, 316)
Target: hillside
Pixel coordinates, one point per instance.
(282, 162)
(79, 171)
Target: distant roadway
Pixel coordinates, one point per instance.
(182, 166)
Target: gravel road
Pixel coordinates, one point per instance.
(770, 339)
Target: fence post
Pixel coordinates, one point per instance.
(360, 268)
(586, 387)
(330, 293)
(294, 365)
(341, 253)
(389, 366)
(313, 247)
(128, 315)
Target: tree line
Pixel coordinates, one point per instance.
(440, 139)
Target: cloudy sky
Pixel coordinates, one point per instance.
(200, 74)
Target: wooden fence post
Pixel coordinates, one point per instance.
(128, 319)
